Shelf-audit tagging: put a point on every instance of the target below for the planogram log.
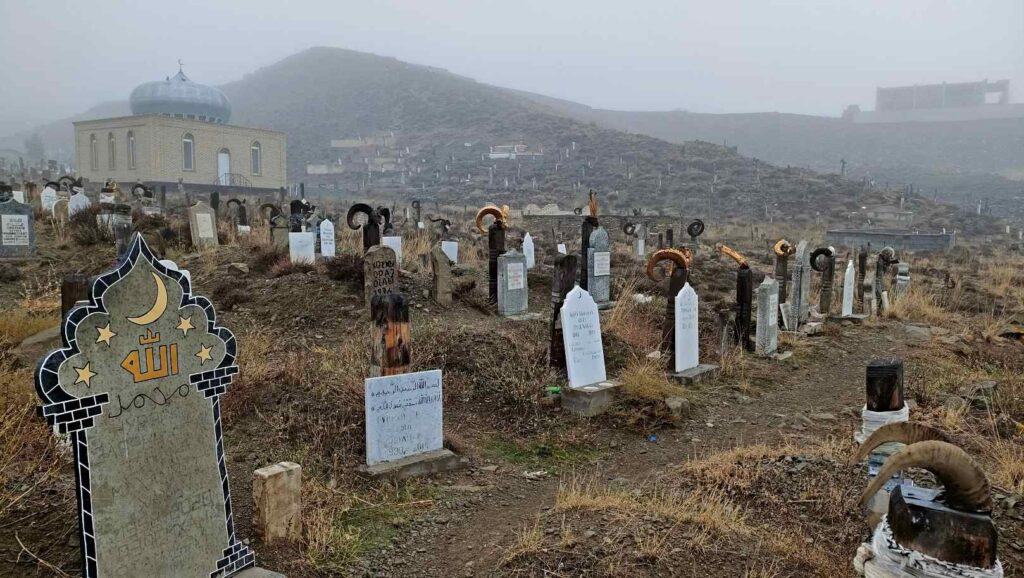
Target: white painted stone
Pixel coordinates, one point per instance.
(687, 348)
(581, 335)
(602, 264)
(641, 246)
(849, 283)
(528, 251)
(451, 248)
(242, 229)
(174, 266)
(18, 196)
(561, 248)
(516, 276)
(301, 248)
(327, 242)
(47, 199)
(78, 202)
(404, 415)
(396, 245)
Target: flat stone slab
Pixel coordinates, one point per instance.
(608, 305)
(812, 328)
(425, 464)
(255, 572)
(782, 355)
(695, 375)
(589, 400)
(856, 318)
(525, 317)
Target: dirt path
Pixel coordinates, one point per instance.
(807, 398)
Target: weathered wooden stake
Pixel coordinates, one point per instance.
(744, 298)
(563, 278)
(495, 247)
(390, 336)
(589, 224)
(73, 288)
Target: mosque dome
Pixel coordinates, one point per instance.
(179, 97)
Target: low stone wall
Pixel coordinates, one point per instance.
(899, 240)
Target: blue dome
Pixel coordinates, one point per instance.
(180, 97)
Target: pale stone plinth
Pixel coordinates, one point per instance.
(277, 502)
(695, 375)
(589, 400)
(427, 463)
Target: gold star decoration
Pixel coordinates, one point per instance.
(204, 354)
(105, 335)
(84, 374)
(185, 325)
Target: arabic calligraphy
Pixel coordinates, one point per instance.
(151, 362)
(139, 401)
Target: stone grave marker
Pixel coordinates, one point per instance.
(78, 202)
(528, 251)
(451, 248)
(581, 334)
(513, 293)
(395, 242)
(562, 249)
(137, 389)
(47, 199)
(60, 210)
(849, 284)
(380, 271)
(599, 267)
(279, 230)
(767, 340)
(302, 248)
(18, 196)
(441, 265)
(328, 245)
(687, 348)
(203, 224)
(902, 280)
(17, 229)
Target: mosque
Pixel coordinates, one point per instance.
(179, 132)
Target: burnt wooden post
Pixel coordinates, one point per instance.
(862, 267)
(744, 298)
(823, 260)
(679, 277)
(563, 278)
(589, 224)
(669, 238)
(782, 274)
(495, 247)
(73, 288)
(922, 523)
(661, 240)
(884, 385)
(390, 341)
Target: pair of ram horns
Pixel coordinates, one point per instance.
(380, 216)
(783, 248)
(695, 229)
(501, 216)
(964, 485)
(827, 252)
(734, 254)
(678, 257)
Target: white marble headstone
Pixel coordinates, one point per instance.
(301, 247)
(687, 348)
(581, 335)
(528, 250)
(561, 248)
(849, 282)
(451, 248)
(395, 243)
(78, 202)
(47, 199)
(404, 415)
(327, 243)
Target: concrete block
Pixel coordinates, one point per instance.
(425, 464)
(277, 502)
(254, 572)
(812, 328)
(695, 375)
(589, 400)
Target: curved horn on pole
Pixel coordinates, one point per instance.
(827, 251)
(356, 209)
(783, 248)
(903, 432)
(679, 257)
(730, 252)
(274, 211)
(629, 229)
(492, 210)
(592, 204)
(384, 217)
(965, 486)
(695, 229)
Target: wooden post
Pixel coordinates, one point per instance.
(884, 384)
(669, 238)
(782, 275)
(744, 298)
(862, 267)
(827, 281)
(589, 224)
(679, 277)
(661, 241)
(563, 278)
(390, 336)
(73, 288)
(495, 247)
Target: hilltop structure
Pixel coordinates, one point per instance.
(179, 133)
(945, 102)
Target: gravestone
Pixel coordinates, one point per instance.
(78, 202)
(581, 334)
(640, 243)
(451, 248)
(137, 389)
(47, 199)
(203, 224)
(441, 265)
(513, 293)
(302, 248)
(797, 293)
(687, 347)
(18, 196)
(803, 258)
(528, 251)
(380, 272)
(17, 229)
(599, 267)
(849, 282)
(395, 242)
(562, 249)
(327, 243)
(767, 317)
(902, 280)
(280, 228)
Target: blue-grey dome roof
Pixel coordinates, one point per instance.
(179, 96)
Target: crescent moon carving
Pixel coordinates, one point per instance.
(158, 308)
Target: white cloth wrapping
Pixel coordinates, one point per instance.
(872, 420)
(885, 558)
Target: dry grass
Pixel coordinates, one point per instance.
(17, 324)
(631, 321)
(646, 379)
(920, 305)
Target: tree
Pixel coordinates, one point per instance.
(34, 147)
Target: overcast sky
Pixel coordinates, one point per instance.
(808, 56)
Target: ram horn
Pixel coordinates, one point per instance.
(679, 257)
(629, 229)
(384, 217)
(965, 486)
(274, 211)
(888, 255)
(355, 210)
(492, 210)
(903, 432)
(827, 251)
(695, 229)
(592, 204)
(783, 248)
(729, 251)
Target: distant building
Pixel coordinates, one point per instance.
(945, 102)
(888, 214)
(178, 131)
(513, 152)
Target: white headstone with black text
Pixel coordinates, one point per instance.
(849, 284)
(404, 415)
(327, 242)
(581, 334)
(395, 242)
(528, 250)
(17, 231)
(687, 344)
(451, 248)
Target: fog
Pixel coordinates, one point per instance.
(809, 56)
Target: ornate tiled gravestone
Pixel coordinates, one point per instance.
(513, 293)
(528, 251)
(137, 388)
(441, 265)
(202, 221)
(767, 341)
(301, 248)
(581, 334)
(687, 345)
(17, 230)
(78, 202)
(451, 248)
(327, 242)
(599, 268)
(380, 271)
(395, 242)
(849, 283)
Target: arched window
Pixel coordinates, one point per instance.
(111, 152)
(257, 158)
(131, 150)
(188, 152)
(94, 155)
